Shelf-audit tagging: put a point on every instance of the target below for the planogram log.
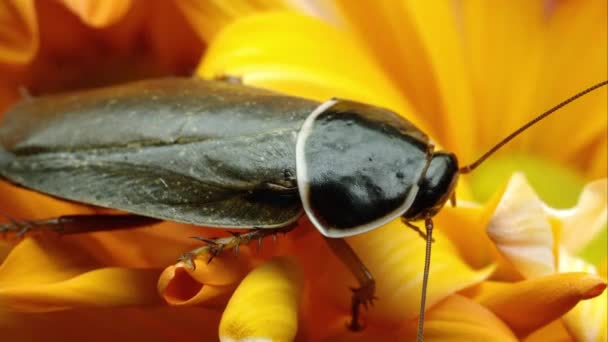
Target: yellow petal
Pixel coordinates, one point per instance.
(575, 54)
(50, 274)
(394, 254)
(408, 40)
(530, 304)
(302, 56)
(436, 23)
(505, 52)
(587, 219)
(588, 321)
(455, 318)
(458, 318)
(99, 13)
(521, 230)
(265, 305)
(19, 35)
(465, 225)
(209, 283)
(210, 16)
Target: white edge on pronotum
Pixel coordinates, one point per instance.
(304, 188)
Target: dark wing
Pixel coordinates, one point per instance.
(192, 151)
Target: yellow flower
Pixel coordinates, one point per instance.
(467, 73)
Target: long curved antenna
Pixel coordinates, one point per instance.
(472, 166)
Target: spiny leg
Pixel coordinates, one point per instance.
(215, 246)
(76, 224)
(364, 294)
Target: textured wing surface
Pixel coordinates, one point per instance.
(205, 153)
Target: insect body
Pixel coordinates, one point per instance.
(226, 155)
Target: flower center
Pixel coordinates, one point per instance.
(558, 186)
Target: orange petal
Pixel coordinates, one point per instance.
(99, 13)
(554, 331)
(209, 283)
(530, 304)
(115, 324)
(394, 254)
(50, 274)
(19, 36)
(210, 16)
(300, 56)
(265, 305)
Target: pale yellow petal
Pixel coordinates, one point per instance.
(521, 230)
(585, 221)
(542, 299)
(588, 320)
(265, 305)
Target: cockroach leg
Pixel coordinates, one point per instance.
(76, 224)
(362, 295)
(453, 199)
(415, 228)
(215, 246)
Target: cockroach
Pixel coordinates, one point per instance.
(222, 154)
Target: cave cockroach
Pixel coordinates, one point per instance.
(219, 154)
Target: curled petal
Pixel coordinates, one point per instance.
(521, 230)
(265, 305)
(587, 219)
(301, 56)
(588, 321)
(49, 274)
(209, 283)
(542, 299)
(99, 13)
(19, 35)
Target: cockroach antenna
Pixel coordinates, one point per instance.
(469, 168)
(475, 164)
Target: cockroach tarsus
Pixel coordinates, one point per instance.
(243, 158)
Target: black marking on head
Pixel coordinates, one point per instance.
(436, 187)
